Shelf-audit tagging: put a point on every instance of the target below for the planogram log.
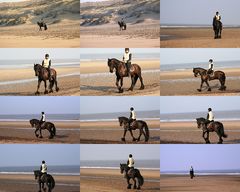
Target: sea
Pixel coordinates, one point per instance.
(233, 115)
(52, 169)
(143, 115)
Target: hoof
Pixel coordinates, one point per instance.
(209, 89)
(51, 137)
(129, 186)
(139, 188)
(135, 187)
(37, 93)
(37, 135)
(41, 137)
(134, 139)
(141, 88)
(45, 92)
(219, 142)
(51, 91)
(199, 90)
(130, 89)
(57, 89)
(138, 139)
(123, 139)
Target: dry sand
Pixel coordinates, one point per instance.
(188, 133)
(27, 183)
(223, 183)
(184, 83)
(97, 80)
(199, 37)
(68, 85)
(111, 132)
(22, 132)
(102, 180)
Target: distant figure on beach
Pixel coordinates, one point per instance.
(130, 164)
(192, 172)
(122, 25)
(132, 118)
(217, 25)
(210, 116)
(43, 169)
(42, 24)
(210, 67)
(43, 119)
(46, 63)
(127, 59)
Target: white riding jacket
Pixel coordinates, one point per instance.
(133, 115)
(130, 162)
(46, 63)
(210, 116)
(211, 65)
(126, 57)
(218, 17)
(43, 117)
(44, 168)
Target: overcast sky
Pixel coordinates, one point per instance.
(199, 12)
(108, 104)
(35, 105)
(201, 157)
(119, 152)
(39, 53)
(183, 104)
(30, 155)
(185, 55)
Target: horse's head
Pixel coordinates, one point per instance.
(122, 167)
(200, 122)
(111, 65)
(37, 68)
(195, 72)
(36, 174)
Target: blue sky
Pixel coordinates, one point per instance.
(31, 155)
(199, 12)
(119, 152)
(38, 53)
(108, 104)
(183, 104)
(201, 157)
(35, 105)
(185, 55)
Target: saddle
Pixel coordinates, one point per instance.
(209, 125)
(133, 125)
(130, 170)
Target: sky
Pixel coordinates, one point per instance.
(185, 55)
(119, 152)
(199, 12)
(31, 155)
(35, 105)
(91, 104)
(201, 157)
(186, 104)
(39, 53)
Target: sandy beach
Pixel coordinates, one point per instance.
(24, 82)
(188, 133)
(184, 83)
(27, 183)
(22, 132)
(97, 80)
(213, 183)
(199, 38)
(97, 180)
(111, 132)
(19, 24)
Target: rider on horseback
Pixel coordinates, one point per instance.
(127, 59)
(210, 117)
(46, 63)
(43, 119)
(217, 16)
(132, 117)
(130, 164)
(43, 169)
(191, 172)
(210, 67)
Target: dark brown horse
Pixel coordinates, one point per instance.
(44, 179)
(43, 75)
(211, 127)
(121, 72)
(205, 77)
(42, 24)
(217, 28)
(47, 125)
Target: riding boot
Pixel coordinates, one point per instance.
(50, 75)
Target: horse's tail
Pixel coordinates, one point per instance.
(140, 179)
(53, 129)
(52, 182)
(222, 131)
(146, 131)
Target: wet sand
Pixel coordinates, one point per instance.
(199, 38)
(22, 132)
(24, 82)
(97, 80)
(99, 180)
(136, 35)
(27, 183)
(188, 133)
(184, 83)
(223, 183)
(111, 132)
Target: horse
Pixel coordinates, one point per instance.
(122, 25)
(47, 125)
(217, 27)
(212, 126)
(121, 72)
(43, 75)
(205, 77)
(44, 179)
(191, 172)
(132, 174)
(124, 122)
(42, 24)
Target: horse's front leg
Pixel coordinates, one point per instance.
(129, 185)
(133, 138)
(117, 84)
(36, 132)
(209, 88)
(135, 186)
(140, 134)
(40, 186)
(200, 86)
(45, 85)
(124, 134)
(38, 86)
(40, 130)
(132, 83)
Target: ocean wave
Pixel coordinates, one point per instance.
(112, 120)
(116, 168)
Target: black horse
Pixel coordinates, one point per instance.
(121, 72)
(205, 77)
(124, 122)
(44, 179)
(132, 174)
(217, 27)
(122, 25)
(211, 127)
(42, 24)
(191, 172)
(43, 75)
(47, 125)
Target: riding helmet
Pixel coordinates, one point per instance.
(42, 112)
(217, 13)
(209, 109)
(131, 108)
(43, 162)
(47, 55)
(126, 49)
(130, 155)
(210, 60)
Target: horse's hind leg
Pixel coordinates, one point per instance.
(56, 84)
(45, 85)
(135, 186)
(124, 134)
(132, 83)
(40, 130)
(200, 86)
(133, 138)
(36, 132)
(140, 134)
(209, 88)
